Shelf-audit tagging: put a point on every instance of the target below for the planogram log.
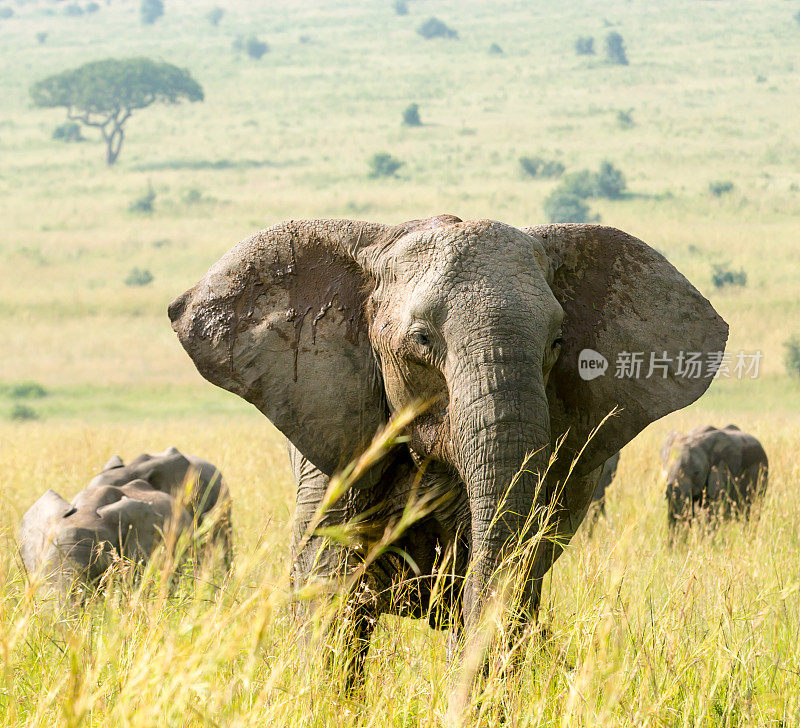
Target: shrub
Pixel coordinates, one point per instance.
(215, 15)
(255, 48)
(720, 187)
(411, 115)
(723, 276)
(138, 277)
(539, 167)
(193, 196)
(73, 10)
(564, 206)
(435, 28)
(401, 7)
(797, 17)
(69, 131)
(92, 7)
(609, 182)
(615, 49)
(6, 13)
(383, 164)
(26, 390)
(791, 357)
(144, 204)
(41, 36)
(584, 45)
(625, 119)
(22, 412)
(151, 10)
(582, 184)
(495, 50)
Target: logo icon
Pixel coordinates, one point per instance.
(591, 364)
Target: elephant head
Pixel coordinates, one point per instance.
(329, 326)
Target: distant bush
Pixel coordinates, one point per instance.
(564, 206)
(411, 115)
(723, 276)
(92, 7)
(255, 48)
(797, 17)
(26, 390)
(383, 164)
(69, 131)
(720, 187)
(582, 184)
(540, 167)
(138, 277)
(615, 49)
(22, 412)
(73, 10)
(435, 28)
(791, 357)
(144, 204)
(215, 15)
(584, 45)
(495, 50)
(41, 36)
(6, 13)
(151, 10)
(401, 7)
(625, 119)
(609, 182)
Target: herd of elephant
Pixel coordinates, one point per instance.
(332, 328)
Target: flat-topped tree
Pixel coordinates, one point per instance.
(105, 93)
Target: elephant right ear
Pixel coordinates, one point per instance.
(38, 528)
(280, 320)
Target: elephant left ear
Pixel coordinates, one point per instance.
(637, 335)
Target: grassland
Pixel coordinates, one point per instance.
(702, 635)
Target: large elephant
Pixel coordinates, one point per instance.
(330, 326)
(718, 473)
(124, 513)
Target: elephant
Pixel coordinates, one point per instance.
(607, 475)
(332, 327)
(125, 512)
(719, 473)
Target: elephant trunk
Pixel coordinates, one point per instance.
(503, 423)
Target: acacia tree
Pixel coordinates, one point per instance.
(105, 93)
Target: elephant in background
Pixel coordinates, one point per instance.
(125, 512)
(720, 473)
(329, 327)
(607, 475)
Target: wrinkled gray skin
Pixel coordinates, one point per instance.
(719, 473)
(607, 474)
(124, 512)
(330, 326)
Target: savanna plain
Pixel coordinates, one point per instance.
(705, 633)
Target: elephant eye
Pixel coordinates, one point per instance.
(421, 338)
(557, 342)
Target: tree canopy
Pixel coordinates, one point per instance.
(105, 93)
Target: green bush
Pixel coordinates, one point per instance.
(401, 7)
(41, 37)
(69, 131)
(26, 390)
(73, 10)
(584, 45)
(435, 28)
(797, 17)
(722, 276)
(255, 48)
(540, 167)
(92, 7)
(151, 10)
(22, 412)
(6, 13)
(215, 15)
(144, 204)
(791, 356)
(720, 187)
(615, 49)
(564, 206)
(138, 277)
(582, 184)
(609, 182)
(625, 119)
(411, 115)
(383, 164)
(495, 50)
